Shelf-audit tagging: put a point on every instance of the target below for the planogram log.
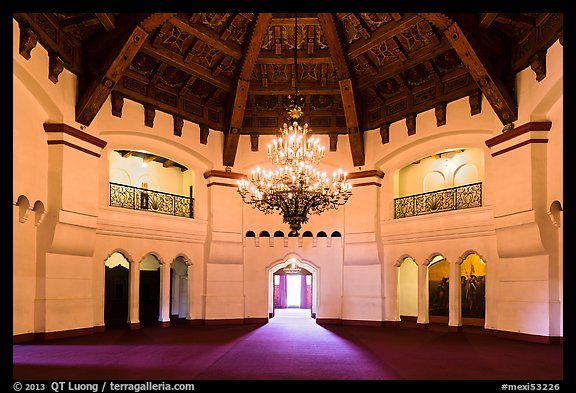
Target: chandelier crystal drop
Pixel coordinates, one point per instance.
(296, 188)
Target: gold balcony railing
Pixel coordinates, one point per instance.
(455, 198)
(137, 198)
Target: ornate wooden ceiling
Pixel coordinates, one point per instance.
(232, 72)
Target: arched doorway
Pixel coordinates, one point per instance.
(149, 310)
(116, 290)
(292, 286)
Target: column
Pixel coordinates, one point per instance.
(455, 297)
(189, 304)
(423, 293)
(164, 314)
(134, 298)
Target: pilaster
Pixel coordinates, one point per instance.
(520, 193)
(64, 295)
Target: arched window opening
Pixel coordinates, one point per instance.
(278, 234)
(264, 234)
(250, 234)
(336, 234)
(307, 234)
(321, 234)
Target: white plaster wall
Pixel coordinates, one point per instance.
(324, 254)
(357, 278)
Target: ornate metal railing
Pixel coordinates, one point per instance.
(137, 198)
(462, 197)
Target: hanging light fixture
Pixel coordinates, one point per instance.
(292, 268)
(297, 188)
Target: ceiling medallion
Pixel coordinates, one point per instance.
(297, 188)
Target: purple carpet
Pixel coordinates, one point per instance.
(290, 347)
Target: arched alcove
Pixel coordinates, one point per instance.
(120, 176)
(465, 174)
(336, 234)
(473, 289)
(321, 234)
(307, 234)
(278, 234)
(438, 288)
(555, 213)
(408, 289)
(178, 288)
(39, 210)
(23, 205)
(250, 234)
(264, 234)
(433, 181)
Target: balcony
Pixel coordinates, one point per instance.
(136, 198)
(455, 198)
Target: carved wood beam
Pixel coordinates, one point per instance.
(548, 28)
(192, 68)
(319, 56)
(382, 35)
(501, 100)
(210, 37)
(347, 93)
(107, 20)
(253, 48)
(98, 91)
(33, 30)
(255, 37)
(486, 19)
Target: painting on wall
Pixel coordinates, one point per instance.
(473, 286)
(438, 283)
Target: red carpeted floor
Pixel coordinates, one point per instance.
(290, 347)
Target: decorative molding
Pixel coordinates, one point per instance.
(215, 183)
(531, 126)
(364, 174)
(81, 135)
(373, 183)
(66, 129)
(225, 175)
(516, 132)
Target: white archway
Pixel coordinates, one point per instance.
(281, 263)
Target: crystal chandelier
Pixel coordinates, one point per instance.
(296, 189)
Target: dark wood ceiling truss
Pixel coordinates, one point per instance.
(231, 72)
